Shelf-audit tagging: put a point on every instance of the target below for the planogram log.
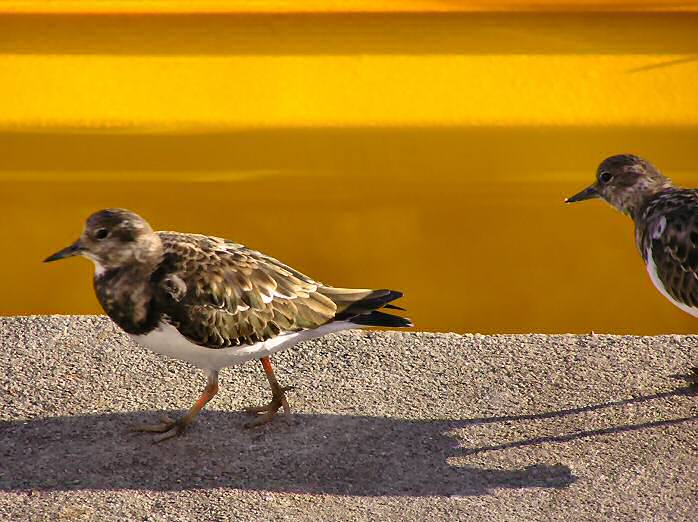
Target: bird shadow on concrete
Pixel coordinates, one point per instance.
(582, 434)
(311, 453)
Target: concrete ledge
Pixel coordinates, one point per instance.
(411, 425)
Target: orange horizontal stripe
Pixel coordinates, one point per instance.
(336, 6)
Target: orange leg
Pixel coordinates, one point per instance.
(169, 428)
(209, 393)
(278, 398)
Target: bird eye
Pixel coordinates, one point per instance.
(101, 233)
(605, 177)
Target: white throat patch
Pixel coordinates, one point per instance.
(99, 269)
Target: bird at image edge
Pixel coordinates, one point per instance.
(666, 225)
(214, 303)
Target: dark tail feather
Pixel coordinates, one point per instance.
(373, 301)
(365, 311)
(377, 318)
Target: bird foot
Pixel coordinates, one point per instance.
(167, 428)
(267, 412)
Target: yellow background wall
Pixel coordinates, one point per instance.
(427, 147)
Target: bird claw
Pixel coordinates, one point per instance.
(273, 406)
(261, 419)
(267, 412)
(167, 428)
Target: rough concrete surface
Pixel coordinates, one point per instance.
(409, 426)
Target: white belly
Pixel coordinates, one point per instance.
(652, 270)
(167, 340)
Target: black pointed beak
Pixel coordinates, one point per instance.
(68, 251)
(587, 193)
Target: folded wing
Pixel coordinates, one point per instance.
(671, 239)
(220, 294)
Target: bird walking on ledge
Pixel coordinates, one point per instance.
(214, 303)
(666, 225)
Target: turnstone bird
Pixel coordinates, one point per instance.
(214, 303)
(666, 224)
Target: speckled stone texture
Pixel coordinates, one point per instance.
(408, 426)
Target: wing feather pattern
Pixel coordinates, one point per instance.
(220, 294)
(230, 295)
(670, 237)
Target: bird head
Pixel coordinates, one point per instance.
(112, 238)
(625, 182)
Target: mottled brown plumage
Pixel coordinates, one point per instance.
(213, 302)
(216, 292)
(667, 232)
(666, 223)
(219, 293)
